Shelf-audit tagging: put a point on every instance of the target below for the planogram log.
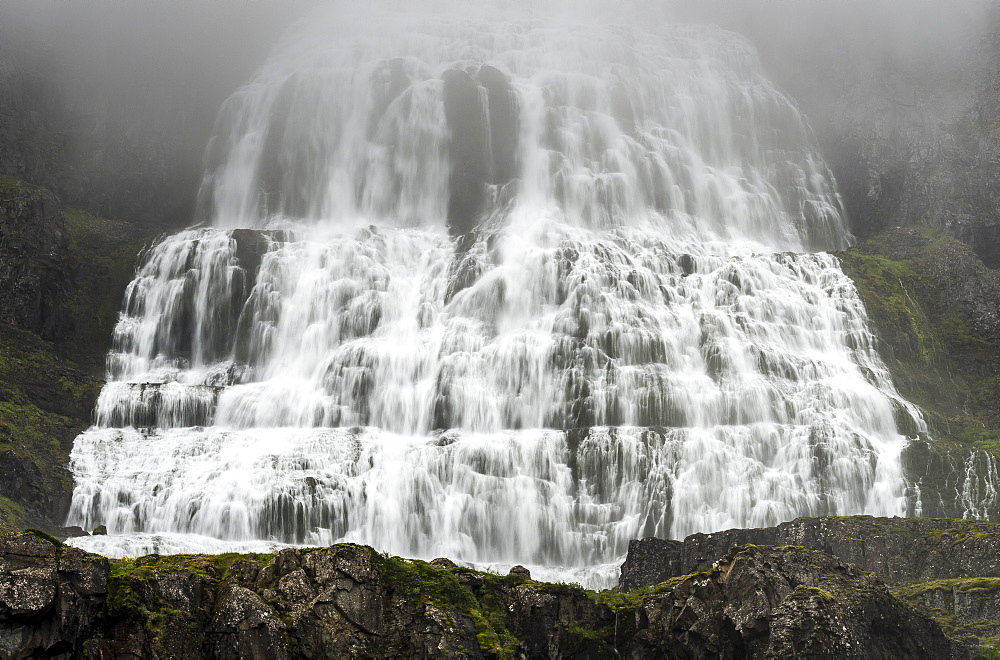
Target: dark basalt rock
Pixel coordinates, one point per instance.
(790, 602)
(51, 597)
(23, 481)
(470, 167)
(348, 601)
(898, 549)
(505, 125)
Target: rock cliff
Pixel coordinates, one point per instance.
(62, 276)
(947, 568)
(348, 601)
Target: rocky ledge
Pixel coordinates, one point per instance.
(349, 601)
(948, 569)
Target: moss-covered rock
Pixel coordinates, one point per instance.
(44, 403)
(100, 262)
(62, 278)
(349, 601)
(935, 308)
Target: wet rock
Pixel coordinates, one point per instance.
(73, 531)
(470, 164)
(520, 571)
(100, 530)
(504, 121)
(482, 113)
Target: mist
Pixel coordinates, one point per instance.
(112, 103)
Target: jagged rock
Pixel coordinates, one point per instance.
(899, 549)
(51, 597)
(347, 601)
(788, 602)
(245, 627)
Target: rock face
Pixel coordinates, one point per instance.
(348, 601)
(897, 549)
(935, 307)
(482, 116)
(912, 138)
(32, 248)
(789, 602)
(50, 597)
(949, 569)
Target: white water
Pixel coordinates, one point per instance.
(638, 339)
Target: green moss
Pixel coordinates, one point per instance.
(618, 601)
(985, 634)
(102, 258)
(215, 567)
(579, 632)
(936, 358)
(125, 581)
(823, 594)
(10, 185)
(45, 537)
(432, 585)
(977, 585)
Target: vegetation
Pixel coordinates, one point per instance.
(46, 399)
(101, 260)
(938, 360)
(44, 403)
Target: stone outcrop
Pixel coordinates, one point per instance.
(51, 597)
(897, 549)
(946, 568)
(348, 601)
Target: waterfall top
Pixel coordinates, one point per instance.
(408, 122)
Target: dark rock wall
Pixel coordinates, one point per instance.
(348, 601)
(898, 549)
(62, 277)
(935, 308)
(948, 569)
(482, 115)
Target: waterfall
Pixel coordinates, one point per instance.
(501, 292)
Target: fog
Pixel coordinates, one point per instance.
(137, 82)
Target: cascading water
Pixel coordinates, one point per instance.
(497, 292)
